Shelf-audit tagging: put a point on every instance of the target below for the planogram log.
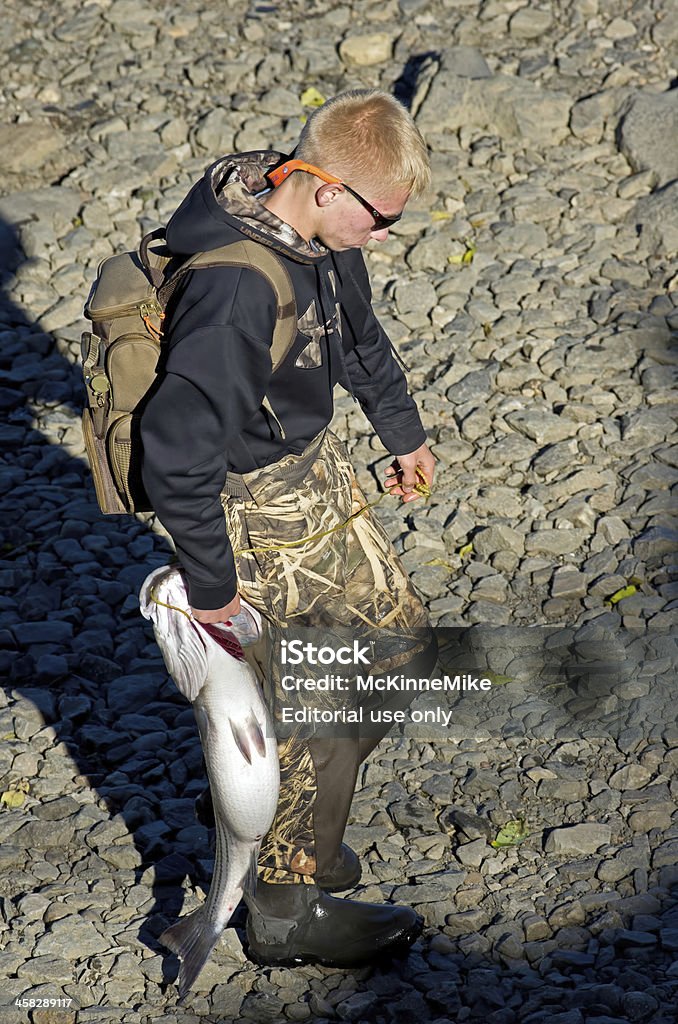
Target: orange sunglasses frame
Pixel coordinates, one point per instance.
(281, 173)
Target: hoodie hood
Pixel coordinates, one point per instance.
(223, 206)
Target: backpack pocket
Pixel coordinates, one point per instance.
(123, 447)
(131, 364)
(105, 487)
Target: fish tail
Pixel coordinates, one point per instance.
(249, 880)
(192, 939)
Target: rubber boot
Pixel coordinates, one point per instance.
(290, 925)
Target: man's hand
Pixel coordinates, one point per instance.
(218, 614)
(401, 475)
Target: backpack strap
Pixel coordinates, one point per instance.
(252, 256)
(155, 274)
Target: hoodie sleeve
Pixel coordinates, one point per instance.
(375, 377)
(215, 378)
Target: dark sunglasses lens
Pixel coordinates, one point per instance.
(384, 222)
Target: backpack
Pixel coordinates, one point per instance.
(121, 355)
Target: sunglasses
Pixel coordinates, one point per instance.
(279, 174)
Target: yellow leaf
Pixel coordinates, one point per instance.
(12, 798)
(465, 550)
(497, 679)
(619, 595)
(440, 562)
(312, 98)
(463, 259)
(9, 736)
(511, 834)
(440, 215)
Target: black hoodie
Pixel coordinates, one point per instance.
(206, 416)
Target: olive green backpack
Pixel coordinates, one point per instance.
(121, 354)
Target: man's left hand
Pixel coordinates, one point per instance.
(401, 475)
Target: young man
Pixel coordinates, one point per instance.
(256, 492)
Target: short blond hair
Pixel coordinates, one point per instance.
(366, 137)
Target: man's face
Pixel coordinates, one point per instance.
(347, 224)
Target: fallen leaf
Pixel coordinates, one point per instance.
(10, 798)
(312, 98)
(465, 550)
(440, 562)
(497, 679)
(511, 834)
(463, 258)
(619, 595)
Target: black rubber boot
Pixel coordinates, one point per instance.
(290, 925)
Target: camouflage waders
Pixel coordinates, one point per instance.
(350, 581)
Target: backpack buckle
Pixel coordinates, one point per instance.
(101, 386)
(148, 310)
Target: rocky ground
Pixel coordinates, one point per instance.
(535, 295)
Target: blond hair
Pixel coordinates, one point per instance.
(366, 137)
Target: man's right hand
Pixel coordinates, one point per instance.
(218, 614)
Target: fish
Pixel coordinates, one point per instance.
(208, 665)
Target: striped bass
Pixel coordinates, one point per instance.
(208, 666)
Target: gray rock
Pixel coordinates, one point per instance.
(555, 542)
(542, 427)
(56, 206)
(57, 810)
(365, 50)
(648, 134)
(656, 541)
(473, 854)
(631, 776)
(569, 582)
(527, 239)
(71, 938)
(414, 296)
(578, 839)
(470, 825)
(656, 216)
(53, 632)
(215, 131)
(513, 108)
(530, 22)
(498, 538)
(474, 386)
(357, 1006)
(28, 147)
(666, 855)
(42, 835)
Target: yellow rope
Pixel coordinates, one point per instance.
(156, 600)
(423, 488)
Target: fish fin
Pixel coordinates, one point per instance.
(192, 939)
(249, 879)
(248, 735)
(256, 735)
(241, 736)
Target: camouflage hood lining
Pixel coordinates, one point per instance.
(235, 182)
